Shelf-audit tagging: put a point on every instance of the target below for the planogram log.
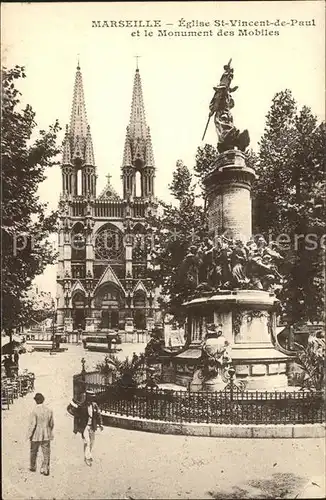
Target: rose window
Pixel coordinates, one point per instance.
(109, 245)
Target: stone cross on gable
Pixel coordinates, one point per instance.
(108, 178)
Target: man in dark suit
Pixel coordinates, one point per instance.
(40, 433)
(87, 418)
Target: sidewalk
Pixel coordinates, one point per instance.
(138, 465)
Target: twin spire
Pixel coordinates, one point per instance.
(138, 150)
(78, 144)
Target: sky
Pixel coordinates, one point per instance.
(178, 72)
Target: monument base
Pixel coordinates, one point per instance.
(247, 319)
(260, 366)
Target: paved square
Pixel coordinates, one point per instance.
(135, 465)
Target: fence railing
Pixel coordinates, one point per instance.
(232, 406)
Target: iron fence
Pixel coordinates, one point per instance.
(231, 406)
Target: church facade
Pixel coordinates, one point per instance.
(103, 278)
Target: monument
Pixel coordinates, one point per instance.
(235, 275)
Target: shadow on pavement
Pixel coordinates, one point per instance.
(279, 485)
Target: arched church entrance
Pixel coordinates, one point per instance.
(78, 311)
(109, 301)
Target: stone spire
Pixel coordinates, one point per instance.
(137, 136)
(78, 136)
(78, 120)
(78, 152)
(137, 124)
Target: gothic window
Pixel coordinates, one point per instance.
(138, 190)
(78, 243)
(79, 182)
(109, 244)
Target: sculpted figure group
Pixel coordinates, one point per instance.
(230, 264)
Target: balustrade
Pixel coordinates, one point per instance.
(109, 209)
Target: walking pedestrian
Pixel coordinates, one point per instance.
(87, 419)
(40, 434)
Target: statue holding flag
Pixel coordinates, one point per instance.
(220, 106)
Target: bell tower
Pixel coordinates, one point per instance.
(78, 165)
(138, 151)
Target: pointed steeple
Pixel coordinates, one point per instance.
(81, 147)
(78, 120)
(78, 147)
(137, 136)
(89, 152)
(137, 124)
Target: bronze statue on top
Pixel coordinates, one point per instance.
(229, 137)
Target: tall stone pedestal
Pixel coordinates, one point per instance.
(228, 188)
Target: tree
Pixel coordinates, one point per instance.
(174, 232)
(290, 203)
(312, 361)
(124, 374)
(40, 306)
(205, 157)
(25, 228)
(180, 186)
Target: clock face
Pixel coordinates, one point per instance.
(109, 244)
